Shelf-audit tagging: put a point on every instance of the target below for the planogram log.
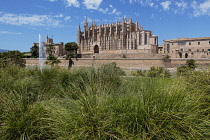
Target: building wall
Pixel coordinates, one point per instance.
(124, 35)
(193, 47)
(59, 48)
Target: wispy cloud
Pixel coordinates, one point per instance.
(92, 4)
(6, 32)
(31, 20)
(202, 8)
(69, 3)
(166, 5)
(74, 3)
(114, 11)
(103, 10)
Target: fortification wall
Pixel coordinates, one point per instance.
(125, 63)
(177, 62)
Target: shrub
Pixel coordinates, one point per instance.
(185, 70)
(139, 73)
(158, 72)
(109, 74)
(191, 64)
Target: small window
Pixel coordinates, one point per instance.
(199, 43)
(203, 50)
(189, 50)
(209, 42)
(189, 43)
(172, 43)
(197, 50)
(181, 49)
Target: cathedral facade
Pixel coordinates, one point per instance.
(121, 37)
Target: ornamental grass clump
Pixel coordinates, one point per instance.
(90, 103)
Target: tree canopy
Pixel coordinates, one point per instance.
(12, 58)
(70, 46)
(35, 51)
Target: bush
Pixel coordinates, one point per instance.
(139, 73)
(186, 70)
(109, 74)
(191, 64)
(158, 72)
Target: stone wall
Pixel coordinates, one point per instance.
(125, 63)
(177, 62)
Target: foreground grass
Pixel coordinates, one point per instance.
(99, 104)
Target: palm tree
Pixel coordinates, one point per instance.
(52, 60)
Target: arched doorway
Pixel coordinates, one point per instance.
(96, 49)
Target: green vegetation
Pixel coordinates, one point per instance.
(12, 58)
(52, 60)
(71, 48)
(89, 103)
(185, 70)
(153, 72)
(34, 51)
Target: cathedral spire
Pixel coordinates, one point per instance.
(137, 25)
(86, 22)
(123, 19)
(79, 35)
(79, 29)
(130, 19)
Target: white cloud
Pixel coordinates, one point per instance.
(182, 5)
(61, 15)
(151, 4)
(92, 4)
(194, 4)
(103, 10)
(166, 5)
(67, 18)
(6, 32)
(74, 3)
(31, 20)
(202, 8)
(69, 3)
(114, 10)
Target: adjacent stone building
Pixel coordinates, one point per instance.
(187, 47)
(59, 48)
(121, 37)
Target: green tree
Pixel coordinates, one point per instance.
(184, 70)
(34, 51)
(52, 60)
(12, 58)
(71, 48)
(191, 64)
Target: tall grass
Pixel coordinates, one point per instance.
(97, 104)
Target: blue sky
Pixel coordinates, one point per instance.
(21, 21)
